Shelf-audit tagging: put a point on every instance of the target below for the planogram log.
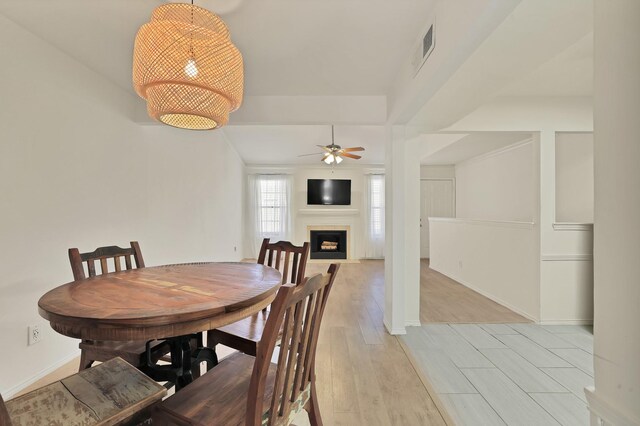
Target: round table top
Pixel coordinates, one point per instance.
(161, 301)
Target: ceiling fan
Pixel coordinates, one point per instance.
(335, 153)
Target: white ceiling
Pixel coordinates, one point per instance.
(338, 48)
(282, 145)
(460, 148)
(290, 47)
(543, 48)
(570, 73)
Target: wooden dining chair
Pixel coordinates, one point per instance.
(244, 335)
(134, 352)
(243, 390)
(113, 392)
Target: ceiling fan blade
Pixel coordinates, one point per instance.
(346, 154)
(306, 155)
(324, 157)
(325, 148)
(355, 148)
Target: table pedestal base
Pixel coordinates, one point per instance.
(184, 359)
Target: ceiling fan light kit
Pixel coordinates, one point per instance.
(186, 68)
(335, 153)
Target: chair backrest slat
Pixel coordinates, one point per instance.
(103, 254)
(300, 363)
(285, 269)
(286, 333)
(294, 264)
(297, 311)
(293, 349)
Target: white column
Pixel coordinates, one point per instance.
(402, 250)
(616, 398)
(411, 223)
(394, 304)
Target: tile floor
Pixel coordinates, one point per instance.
(513, 374)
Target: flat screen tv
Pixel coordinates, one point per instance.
(329, 192)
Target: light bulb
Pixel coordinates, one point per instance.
(338, 159)
(330, 158)
(190, 69)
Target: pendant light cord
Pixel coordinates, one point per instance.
(191, 33)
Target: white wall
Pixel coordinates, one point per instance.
(566, 251)
(574, 177)
(492, 244)
(499, 185)
(76, 171)
(437, 172)
(497, 259)
(617, 209)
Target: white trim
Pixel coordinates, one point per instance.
(329, 212)
(602, 410)
(565, 226)
(290, 169)
(489, 296)
(373, 170)
(496, 152)
(566, 257)
(8, 393)
(412, 323)
(567, 322)
(506, 224)
(394, 331)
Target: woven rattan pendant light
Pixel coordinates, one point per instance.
(187, 68)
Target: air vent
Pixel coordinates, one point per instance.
(423, 49)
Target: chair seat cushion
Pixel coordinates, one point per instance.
(105, 394)
(242, 335)
(220, 396)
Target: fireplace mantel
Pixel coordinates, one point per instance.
(325, 211)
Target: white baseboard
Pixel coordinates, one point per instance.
(488, 296)
(412, 323)
(8, 393)
(567, 322)
(602, 412)
(394, 331)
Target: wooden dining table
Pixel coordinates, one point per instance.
(164, 302)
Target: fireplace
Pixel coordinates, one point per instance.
(328, 244)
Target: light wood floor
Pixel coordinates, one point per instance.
(443, 300)
(364, 375)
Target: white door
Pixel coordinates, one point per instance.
(436, 200)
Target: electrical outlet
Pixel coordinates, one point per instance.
(34, 334)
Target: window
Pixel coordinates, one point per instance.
(269, 210)
(273, 205)
(374, 195)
